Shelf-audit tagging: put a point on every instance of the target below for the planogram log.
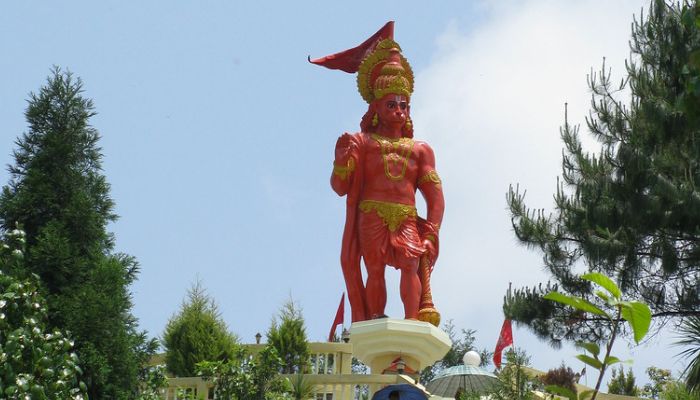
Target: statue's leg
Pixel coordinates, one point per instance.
(375, 288)
(374, 243)
(356, 289)
(410, 286)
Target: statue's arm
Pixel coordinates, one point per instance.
(346, 159)
(430, 185)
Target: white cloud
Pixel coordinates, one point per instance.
(491, 103)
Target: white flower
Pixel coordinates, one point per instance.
(17, 252)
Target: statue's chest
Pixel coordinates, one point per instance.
(395, 157)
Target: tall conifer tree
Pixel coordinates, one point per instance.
(59, 196)
(631, 211)
(288, 337)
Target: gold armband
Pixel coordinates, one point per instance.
(344, 172)
(431, 176)
(430, 238)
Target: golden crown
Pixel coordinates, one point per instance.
(384, 71)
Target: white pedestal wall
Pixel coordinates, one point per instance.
(378, 342)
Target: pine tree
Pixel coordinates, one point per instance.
(59, 196)
(621, 383)
(288, 337)
(631, 211)
(196, 334)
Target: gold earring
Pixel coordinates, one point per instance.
(375, 120)
(409, 123)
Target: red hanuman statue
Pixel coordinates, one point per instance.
(380, 169)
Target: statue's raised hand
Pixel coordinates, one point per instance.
(344, 147)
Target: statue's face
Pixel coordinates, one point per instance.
(393, 109)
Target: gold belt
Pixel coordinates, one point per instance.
(393, 214)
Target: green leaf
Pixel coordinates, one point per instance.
(585, 394)
(561, 391)
(605, 282)
(592, 348)
(576, 302)
(638, 315)
(602, 296)
(610, 360)
(590, 361)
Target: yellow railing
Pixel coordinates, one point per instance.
(330, 373)
(327, 387)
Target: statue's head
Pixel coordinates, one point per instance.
(385, 81)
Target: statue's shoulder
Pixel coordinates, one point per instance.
(363, 137)
(421, 145)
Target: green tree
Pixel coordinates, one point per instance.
(153, 383)
(631, 211)
(676, 390)
(59, 196)
(35, 362)
(658, 378)
(197, 333)
(690, 333)
(246, 376)
(515, 382)
(617, 314)
(288, 337)
(621, 383)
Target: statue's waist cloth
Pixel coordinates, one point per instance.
(388, 233)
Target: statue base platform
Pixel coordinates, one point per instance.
(379, 342)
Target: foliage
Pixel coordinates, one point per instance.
(690, 338)
(658, 378)
(630, 211)
(189, 394)
(621, 383)
(301, 388)
(676, 390)
(197, 333)
(635, 313)
(34, 362)
(460, 346)
(247, 377)
(563, 377)
(362, 391)
(514, 382)
(59, 196)
(153, 382)
(288, 337)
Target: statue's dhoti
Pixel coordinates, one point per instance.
(388, 233)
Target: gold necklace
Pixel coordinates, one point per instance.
(389, 148)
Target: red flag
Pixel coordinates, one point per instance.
(505, 339)
(350, 60)
(339, 316)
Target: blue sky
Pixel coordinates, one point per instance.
(218, 139)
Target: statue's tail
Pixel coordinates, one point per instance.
(427, 311)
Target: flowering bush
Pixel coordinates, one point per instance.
(34, 363)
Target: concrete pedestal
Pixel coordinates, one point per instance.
(378, 342)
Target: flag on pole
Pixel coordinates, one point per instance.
(339, 317)
(350, 59)
(505, 339)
